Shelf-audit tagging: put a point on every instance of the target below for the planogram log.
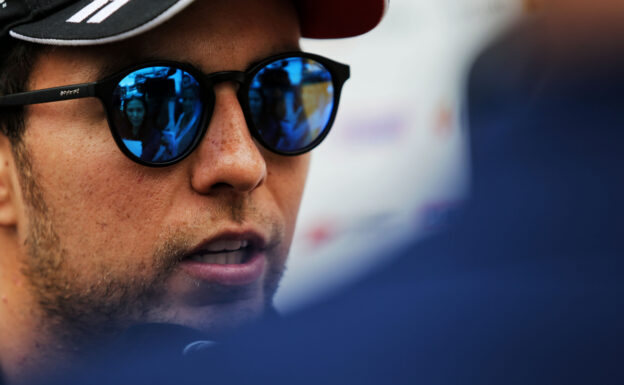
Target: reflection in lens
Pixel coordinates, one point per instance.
(135, 112)
(158, 113)
(291, 103)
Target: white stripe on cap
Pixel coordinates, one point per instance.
(163, 17)
(107, 11)
(87, 11)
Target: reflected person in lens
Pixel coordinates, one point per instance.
(282, 117)
(292, 120)
(256, 103)
(137, 136)
(181, 131)
(135, 112)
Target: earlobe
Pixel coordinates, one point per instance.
(8, 209)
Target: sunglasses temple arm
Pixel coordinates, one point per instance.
(47, 95)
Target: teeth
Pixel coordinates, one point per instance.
(226, 258)
(226, 246)
(223, 253)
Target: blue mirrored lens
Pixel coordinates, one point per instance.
(158, 111)
(291, 102)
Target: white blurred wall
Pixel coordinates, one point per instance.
(396, 157)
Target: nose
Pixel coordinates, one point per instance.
(227, 158)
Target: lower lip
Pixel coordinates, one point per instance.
(228, 275)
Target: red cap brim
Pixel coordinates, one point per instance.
(331, 19)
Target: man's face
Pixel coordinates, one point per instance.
(107, 241)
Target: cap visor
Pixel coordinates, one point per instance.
(91, 22)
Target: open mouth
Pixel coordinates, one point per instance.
(225, 252)
(231, 259)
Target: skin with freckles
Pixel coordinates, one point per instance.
(92, 242)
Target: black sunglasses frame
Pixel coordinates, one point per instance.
(104, 89)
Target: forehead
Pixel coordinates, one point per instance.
(215, 35)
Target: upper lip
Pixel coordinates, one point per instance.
(256, 241)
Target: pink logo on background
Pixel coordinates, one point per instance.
(321, 233)
(444, 119)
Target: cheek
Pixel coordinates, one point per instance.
(94, 194)
(286, 179)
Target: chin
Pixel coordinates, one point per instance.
(216, 313)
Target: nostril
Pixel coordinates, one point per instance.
(221, 186)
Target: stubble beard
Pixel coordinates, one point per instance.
(76, 315)
(80, 317)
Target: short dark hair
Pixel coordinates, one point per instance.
(16, 63)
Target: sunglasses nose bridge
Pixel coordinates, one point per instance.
(227, 76)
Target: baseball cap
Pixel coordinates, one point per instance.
(91, 22)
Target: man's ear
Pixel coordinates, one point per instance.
(8, 199)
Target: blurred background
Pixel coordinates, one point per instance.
(396, 162)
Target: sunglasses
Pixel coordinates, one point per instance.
(158, 112)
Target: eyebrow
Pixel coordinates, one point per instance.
(277, 49)
(113, 66)
(119, 63)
